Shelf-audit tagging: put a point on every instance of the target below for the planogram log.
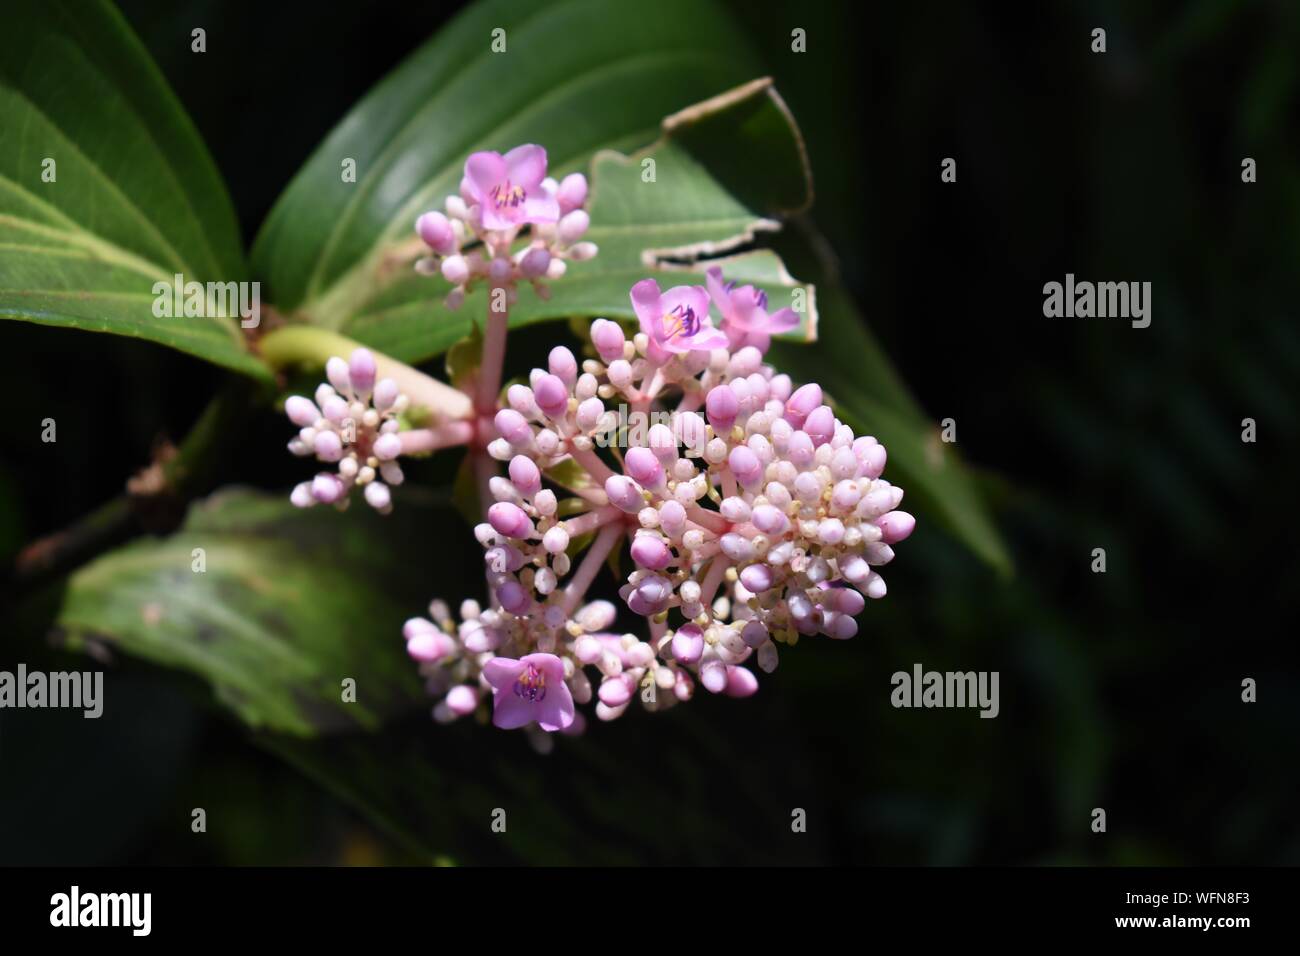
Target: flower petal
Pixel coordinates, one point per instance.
(485, 170)
(526, 166)
(510, 711)
(502, 672)
(645, 302)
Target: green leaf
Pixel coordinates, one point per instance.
(595, 800)
(134, 198)
(852, 368)
(292, 603)
(340, 254)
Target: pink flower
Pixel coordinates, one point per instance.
(744, 312)
(509, 188)
(531, 688)
(676, 321)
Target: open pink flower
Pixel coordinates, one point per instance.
(509, 188)
(676, 321)
(744, 310)
(531, 688)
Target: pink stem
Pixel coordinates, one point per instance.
(588, 459)
(590, 521)
(709, 586)
(708, 519)
(728, 483)
(440, 436)
(590, 565)
(494, 356)
(485, 469)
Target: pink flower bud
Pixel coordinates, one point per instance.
(623, 493)
(455, 269)
(387, 446)
(608, 339)
(563, 365)
(326, 489)
(801, 403)
(513, 427)
(713, 675)
(770, 520)
(756, 578)
(556, 540)
(378, 496)
(649, 551)
(643, 467)
(361, 371)
(616, 691)
(462, 700)
(574, 225)
(328, 446)
(663, 443)
(800, 449)
(690, 431)
(512, 596)
(688, 644)
(735, 510)
(871, 455)
(301, 496)
(589, 413)
(525, 475)
(895, 526)
(386, 392)
(650, 596)
(820, 424)
(588, 649)
(572, 192)
(741, 682)
(535, 263)
(336, 370)
(436, 232)
(722, 407)
(552, 396)
(754, 634)
(842, 627)
(301, 411)
(745, 466)
(510, 520)
(429, 646)
(672, 518)
(854, 569)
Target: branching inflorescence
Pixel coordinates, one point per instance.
(751, 514)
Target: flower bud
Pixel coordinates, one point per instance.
(572, 192)
(436, 231)
(525, 475)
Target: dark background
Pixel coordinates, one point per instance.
(1119, 690)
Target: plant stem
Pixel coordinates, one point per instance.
(155, 499)
(591, 562)
(494, 354)
(433, 439)
(305, 345)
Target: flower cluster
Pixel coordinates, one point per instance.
(353, 424)
(475, 240)
(753, 516)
